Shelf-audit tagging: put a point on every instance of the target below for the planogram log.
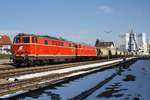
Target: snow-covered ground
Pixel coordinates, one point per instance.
(76, 87)
(132, 84)
(68, 89)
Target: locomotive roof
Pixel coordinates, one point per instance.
(45, 36)
(51, 37)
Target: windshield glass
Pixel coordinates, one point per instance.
(34, 40)
(17, 40)
(25, 40)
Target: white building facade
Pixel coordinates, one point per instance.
(5, 44)
(142, 42)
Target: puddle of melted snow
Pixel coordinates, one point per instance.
(132, 84)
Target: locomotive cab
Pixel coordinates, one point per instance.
(23, 47)
(24, 39)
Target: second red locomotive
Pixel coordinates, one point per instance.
(31, 49)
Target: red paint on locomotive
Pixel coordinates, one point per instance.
(27, 46)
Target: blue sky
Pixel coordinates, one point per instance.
(76, 20)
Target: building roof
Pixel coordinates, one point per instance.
(5, 40)
(103, 44)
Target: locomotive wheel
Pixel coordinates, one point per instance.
(41, 62)
(46, 62)
(31, 63)
(38, 62)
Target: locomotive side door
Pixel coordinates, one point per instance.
(34, 48)
(76, 50)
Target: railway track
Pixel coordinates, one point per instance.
(5, 74)
(6, 66)
(10, 87)
(39, 82)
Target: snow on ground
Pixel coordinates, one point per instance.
(70, 88)
(132, 84)
(88, 83)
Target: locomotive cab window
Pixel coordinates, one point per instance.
(17, 40)
(61, 44)
(25, 40)
(34, 40)
(70, 45)
(46, 42)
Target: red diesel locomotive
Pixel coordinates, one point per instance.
(34, 49)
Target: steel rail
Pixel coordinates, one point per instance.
(22, 71)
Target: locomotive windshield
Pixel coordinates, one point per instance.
(25, 40)
(17, 40)
(34, 40)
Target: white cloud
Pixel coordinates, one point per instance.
(104, 9)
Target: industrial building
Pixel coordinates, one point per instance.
(139, 44)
